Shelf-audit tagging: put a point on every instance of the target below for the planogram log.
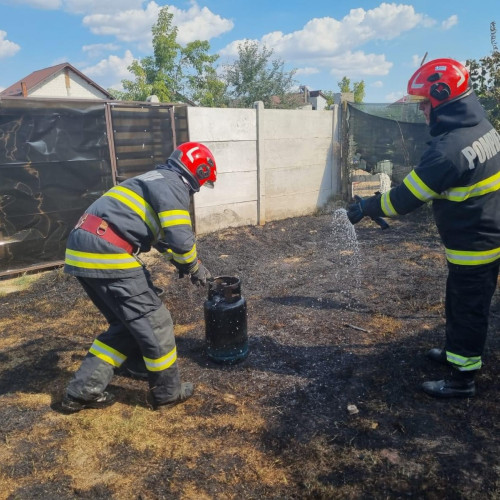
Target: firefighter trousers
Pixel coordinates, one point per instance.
(137, 319)
(469, 290)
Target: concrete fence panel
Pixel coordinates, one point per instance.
(231, 136)
(272, 164)
(296, 152)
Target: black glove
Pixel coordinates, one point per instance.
(355, 210)
(199, 274)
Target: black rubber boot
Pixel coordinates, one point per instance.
(70, 404)
(187, 390)
(438, 356)
(459, 385)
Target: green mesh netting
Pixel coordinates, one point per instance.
(384, 138)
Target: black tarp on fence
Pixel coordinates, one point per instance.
(58, 156)
(54, 161)
(384, 138)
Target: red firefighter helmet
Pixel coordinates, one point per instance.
(196, 160)
(439, 81)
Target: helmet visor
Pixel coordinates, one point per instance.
(416, 98)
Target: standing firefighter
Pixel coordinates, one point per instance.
(148, 210)
(460, 174)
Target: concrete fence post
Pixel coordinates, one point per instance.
(261, 173)
(336, 151)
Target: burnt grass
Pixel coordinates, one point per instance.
(332, 323)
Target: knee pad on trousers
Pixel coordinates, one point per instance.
(162, 325)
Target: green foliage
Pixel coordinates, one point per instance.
(357, 88)
(345, 85)
(174, 71)
(330, 98)
(254, 76)
(485, 79)
(359, 91)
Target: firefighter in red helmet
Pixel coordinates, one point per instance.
(150, 210)
(460, 174)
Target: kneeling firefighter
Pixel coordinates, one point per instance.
(150, 210)
(460, 174)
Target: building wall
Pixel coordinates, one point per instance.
(272, 164)
(56, 87)
(318, 102)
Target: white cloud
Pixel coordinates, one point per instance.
(111, 71)
(231, 49)
(199, 24)
(416, 60)
(329, 42)
(450, 22)
(307, 71)
(135, 25)
(378, 84)
(97, 49)
(7, 48)
(356, 64)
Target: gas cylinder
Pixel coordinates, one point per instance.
(226, 321)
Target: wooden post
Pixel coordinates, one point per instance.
(111, 141)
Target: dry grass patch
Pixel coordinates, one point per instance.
(383, 326)
(275, 425)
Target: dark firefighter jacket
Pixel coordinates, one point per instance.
(151, 209)
(460, 174)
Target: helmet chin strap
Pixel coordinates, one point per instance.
(186, 176)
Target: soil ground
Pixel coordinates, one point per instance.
(333, 321)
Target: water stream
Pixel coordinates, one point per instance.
(345, 257)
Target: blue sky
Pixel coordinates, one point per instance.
(324, 40)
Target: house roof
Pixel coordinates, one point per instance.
(316, 93)
(37, 77)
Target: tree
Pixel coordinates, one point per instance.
(358, 88)
(485, 79)
(359, 91)
(344, 85)
(174, 71)
(330, 98)
(254, 76)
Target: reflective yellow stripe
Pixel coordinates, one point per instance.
(174, 218)
(386, 205)
(418, 188)
(489, 185)
(89, 260)
(138, 205)
(160, 364)
(470, 258)
(185, 258)
(464, 364)
(107, 353)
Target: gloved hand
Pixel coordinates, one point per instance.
(199, 275)
(355, 210)
(182, 269)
